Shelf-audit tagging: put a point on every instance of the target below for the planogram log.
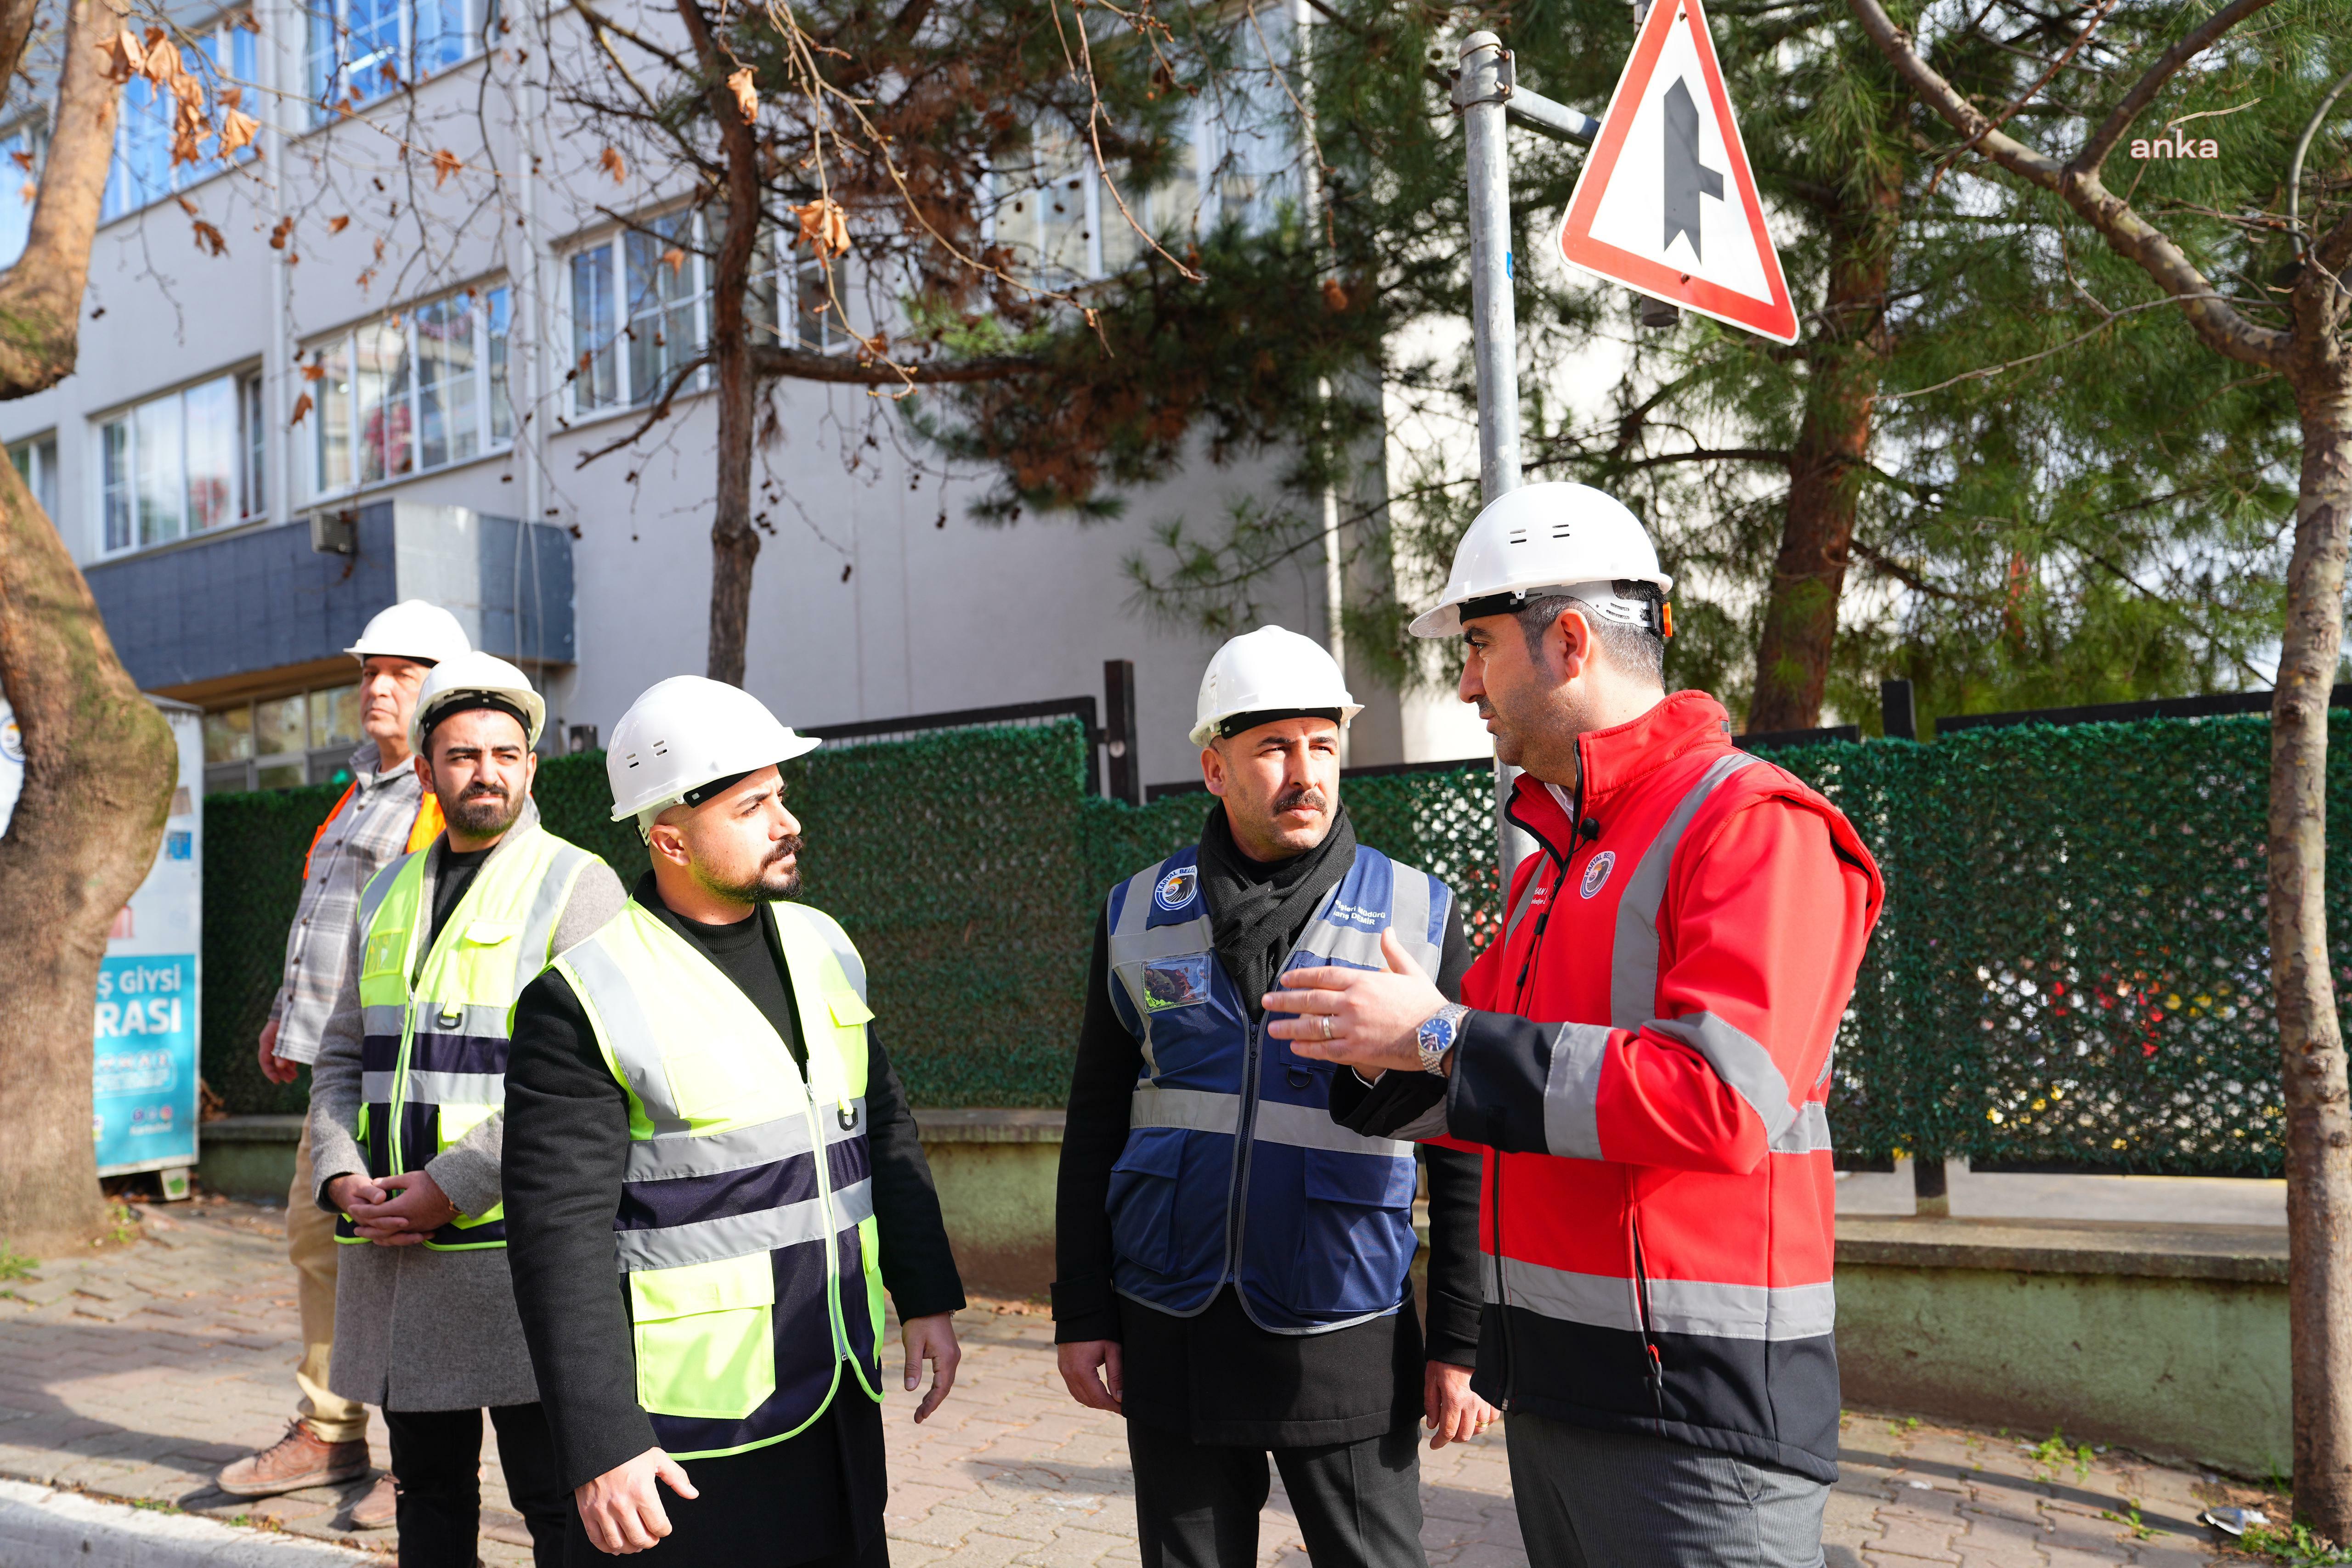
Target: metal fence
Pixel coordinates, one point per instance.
(2071, 971)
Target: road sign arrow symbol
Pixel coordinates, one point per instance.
(1687, 178)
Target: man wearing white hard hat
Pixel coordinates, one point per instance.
(406, 1119)
(1234, 1267)
(386, 814)
(696, 1092)
(1643, 1054)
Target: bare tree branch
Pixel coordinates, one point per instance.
(2187, 47)
(2219, 324)
(770, 360)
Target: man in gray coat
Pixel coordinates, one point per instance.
(407, 1123)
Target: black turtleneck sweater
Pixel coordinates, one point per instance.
(1218, 1377)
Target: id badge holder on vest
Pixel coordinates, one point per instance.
(1162, 985)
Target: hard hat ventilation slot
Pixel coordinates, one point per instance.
(1562, 530)
(1516, 536)
(661, 749)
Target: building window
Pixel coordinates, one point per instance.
(639, 307)
(638, 312)
(37, 465)
(279, 742)
(175, 466)
(417, 390)
(222, 56)
(361, 51)
(20, 179)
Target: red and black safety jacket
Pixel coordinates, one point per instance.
(1647, 1070)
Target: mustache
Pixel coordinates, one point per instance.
(1306, 797)
(784, 849)
(484, 791)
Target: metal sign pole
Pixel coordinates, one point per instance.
(1480, 92)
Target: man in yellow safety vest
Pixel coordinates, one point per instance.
(694, 1090)
(406, 1115)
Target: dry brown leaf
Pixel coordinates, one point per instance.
(237, 131)
(187, 206)
(314, 371)
(301, 407)
(231, 97)
(277, 235)
(210, 238)
(23, 161)
(338, 224)
(675, 259)
(162, 61)
(29, 192)
(125, 58)
(610, 163)
(747, 95)
(445, 163)
(825, 226)
(1335, 296)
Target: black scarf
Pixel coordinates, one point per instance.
(1257, 909)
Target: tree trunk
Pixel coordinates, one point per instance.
(100, 764)
(734, 540)
(40, 297)
(2311, 1039)
(1800, 615)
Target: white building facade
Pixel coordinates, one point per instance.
(427, 314)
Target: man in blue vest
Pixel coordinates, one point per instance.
(1232, 1265)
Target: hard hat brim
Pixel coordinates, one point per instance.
(801, 746)
(1206, 731)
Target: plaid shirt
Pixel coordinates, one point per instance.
(369, 832)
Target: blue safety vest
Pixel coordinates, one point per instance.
(1234, 1169)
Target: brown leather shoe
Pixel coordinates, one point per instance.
(296, 1460)
(380, 1510)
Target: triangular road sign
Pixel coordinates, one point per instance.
(1666, 204)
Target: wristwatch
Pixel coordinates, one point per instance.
(1437, 1034)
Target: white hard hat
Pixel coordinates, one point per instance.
(1554, 538)
(685, 732)
(1270, 670)
(463, 681)
(411, 629)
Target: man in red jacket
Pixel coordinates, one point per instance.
(1643, 1054)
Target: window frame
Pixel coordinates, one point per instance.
(490, 366)
(36, 457)
(778, 289)
(248, 508)
(326, 106)
(321, 758)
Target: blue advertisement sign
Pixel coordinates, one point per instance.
(144, 1096)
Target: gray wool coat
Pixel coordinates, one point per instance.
(417, 1329)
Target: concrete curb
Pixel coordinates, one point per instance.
(39, 1526)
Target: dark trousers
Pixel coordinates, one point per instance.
(1197, 1504)
(1624, 1500)
(437, 1455)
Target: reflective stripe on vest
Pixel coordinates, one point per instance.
(746, 1224)
(436, 1025)
(1234, 1170)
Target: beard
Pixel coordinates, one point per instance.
(770, 883)
(483, 812)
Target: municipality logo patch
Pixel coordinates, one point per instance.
(1596, 874)
(1175, 889)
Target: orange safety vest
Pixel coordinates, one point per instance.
(422, 831)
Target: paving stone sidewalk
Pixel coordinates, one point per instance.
(137, 1371)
